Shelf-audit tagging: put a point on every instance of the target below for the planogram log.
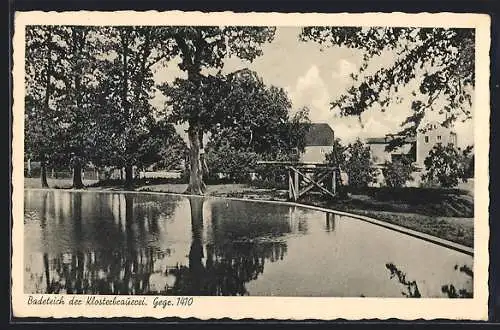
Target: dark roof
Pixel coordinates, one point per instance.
(377, 140)
(319, 134)
(387, 139)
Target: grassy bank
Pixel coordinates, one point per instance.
(447, 214)
(458, 228)
(54, 183)
(443, 213)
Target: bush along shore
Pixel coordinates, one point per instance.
(444, 213)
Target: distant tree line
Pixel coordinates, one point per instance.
(89, 94)
(445, 165)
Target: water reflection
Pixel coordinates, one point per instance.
(118, 245)
(330, 221)
(114, 243)
(228, 265)
(411, 286)
(466, 292)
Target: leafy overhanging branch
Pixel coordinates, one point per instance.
(446, 56)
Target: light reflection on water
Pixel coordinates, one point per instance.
(115, 243)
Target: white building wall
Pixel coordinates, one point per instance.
(379, 155)
(427, 140)
(315, 154)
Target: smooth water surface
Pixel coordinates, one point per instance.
(119, 243)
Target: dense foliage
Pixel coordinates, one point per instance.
(355, 159)
(447, 165)
(44, 83)
(88, 93)
(194, 100)
(255, 123)
(359, 165)
(398, 172)
(443, 57)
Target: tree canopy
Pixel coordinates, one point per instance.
(447, 165)
(45, 84)
(255, 117)
(193, 100)
(88, 95)
(445, 56)
(252, 122)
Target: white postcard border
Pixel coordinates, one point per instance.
(267, 307)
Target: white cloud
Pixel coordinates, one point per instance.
(310, 80)
(310, 90)
(375, 127)
(346, 129)
(344, 69)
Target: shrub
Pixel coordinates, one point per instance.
(358, 165)
(271, 176)
(398, 172)
(447, 165)
(234, 164)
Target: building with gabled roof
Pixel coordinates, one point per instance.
(415, 148)
(380, 154)
(318, 142)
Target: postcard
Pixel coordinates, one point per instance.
(250, 165)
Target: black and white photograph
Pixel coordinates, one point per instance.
(165, 163)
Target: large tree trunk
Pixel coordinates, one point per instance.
(77, 175)
(29, 167)
(129, 176)
(43, 173)
(78, 36)
(124, 34)
(196, 185)
(43, 169)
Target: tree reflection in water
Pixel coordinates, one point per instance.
(106, 258)
(412, 290)
(452, 292)
(449, 290)
(229, 265)
(109, 257)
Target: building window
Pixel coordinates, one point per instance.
(426, 139)
(439, 137)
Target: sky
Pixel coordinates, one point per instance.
(314, 77)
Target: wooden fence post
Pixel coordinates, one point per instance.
(297, 185)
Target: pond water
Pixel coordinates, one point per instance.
(119, 243)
